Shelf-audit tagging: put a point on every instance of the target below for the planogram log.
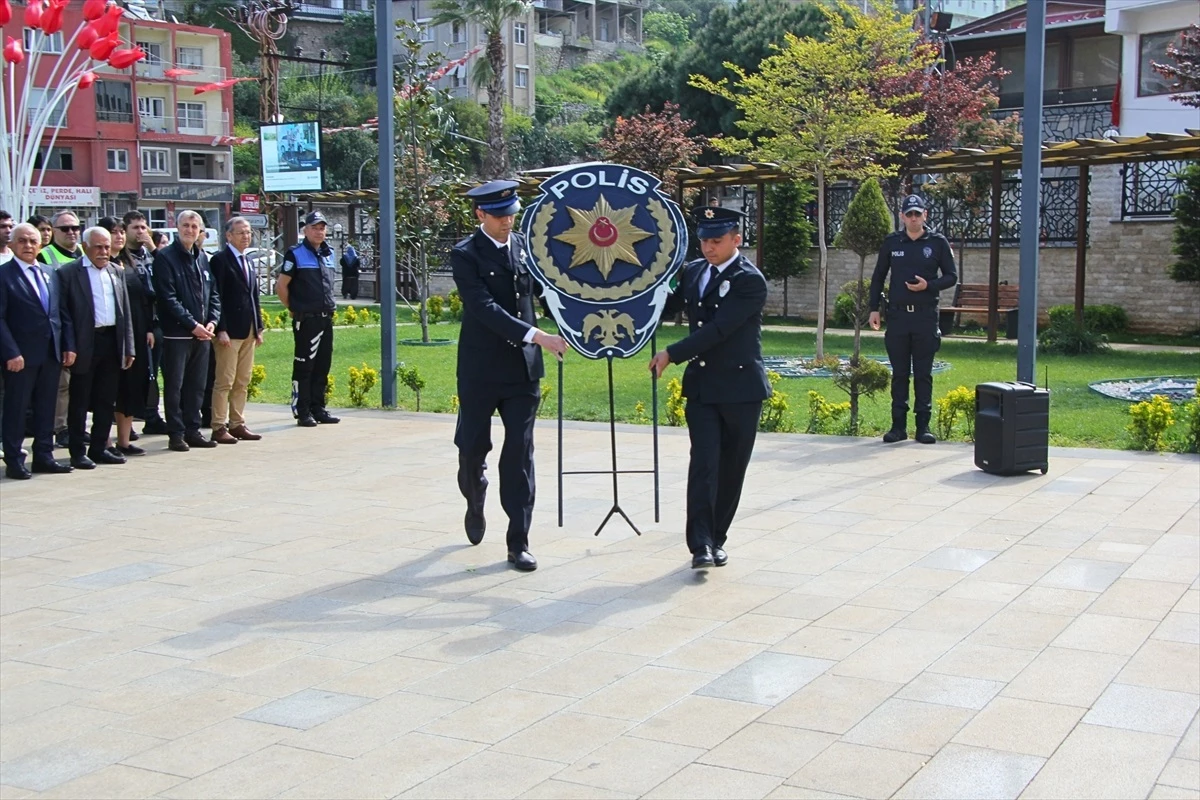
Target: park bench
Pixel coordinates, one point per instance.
(972, 298)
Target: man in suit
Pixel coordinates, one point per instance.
(239, 331)
(724, 383)
(62, 248)
(30, 351)
(97, 344)
(499, 366)
(189, 308)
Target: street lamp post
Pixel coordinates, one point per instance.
(360, 169)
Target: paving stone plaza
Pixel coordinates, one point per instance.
(302, 617)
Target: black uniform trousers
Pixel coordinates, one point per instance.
(912, 338)
(184, 369)
(722, 437)
(94, 390)
(154, 366)
(313, 336)
(34, 389)
(518, 405)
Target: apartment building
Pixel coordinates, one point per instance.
(142, 137)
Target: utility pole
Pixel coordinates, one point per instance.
(385, 34)
(1031, 190)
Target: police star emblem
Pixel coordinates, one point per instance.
(602, 235)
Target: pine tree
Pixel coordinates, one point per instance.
(787, 234)
(1187, 227)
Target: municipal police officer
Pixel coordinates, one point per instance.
(305, 286)
(499, 366)
(915, 257)
(724, 383)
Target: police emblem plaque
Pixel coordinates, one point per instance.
(605, 243)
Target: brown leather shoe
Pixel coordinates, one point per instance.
(244, 433)
(222, 436)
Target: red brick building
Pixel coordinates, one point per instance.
(138, 138)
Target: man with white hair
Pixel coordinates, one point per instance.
(97, 332)
(189, 308)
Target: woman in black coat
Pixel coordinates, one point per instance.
(135, 381)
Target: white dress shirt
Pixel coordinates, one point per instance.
(529, 334)
(241, 260)
(104, 294)
(720, 269)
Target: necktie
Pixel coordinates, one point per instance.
(41, 286)
(713, 274)
(245, 269)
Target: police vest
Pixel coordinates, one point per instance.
(53, 257)
(311, 287)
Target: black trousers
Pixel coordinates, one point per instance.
(184, 369)
(912, 339)
(313, 335)
(518, 405)
(350, 286)
(155, 364)
(34, 389)
(95, 389)
(722, 436)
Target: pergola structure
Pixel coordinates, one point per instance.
(1082, 153)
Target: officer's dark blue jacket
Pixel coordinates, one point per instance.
(311, 271)
(724, 347)
(906, 258)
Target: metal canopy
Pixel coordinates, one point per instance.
(1075, 153)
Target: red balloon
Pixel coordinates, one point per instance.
(14, 53)
(101, 49)
(5, 12)
(87, 79)
(120, 59)
(33, 14)
(94, 9)
(86, 37)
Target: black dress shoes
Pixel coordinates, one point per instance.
(523, 561)
(895, 435)
(177, 444)
(306, 421)
(18, 472)
(325, 418)
(130, 450)
(82, 462)
(720, 558)
(52, 467)
(925, 437)
(107, 457)
(476, 526)
(196, 440)
(703, 559)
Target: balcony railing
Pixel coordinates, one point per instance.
(333, 8)
(156, 70)
(211, 125)
(114, 116)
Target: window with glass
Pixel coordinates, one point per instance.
(51, 45)
(155, 217)
(189, 57)
(58, 158)
(522, 78)
(198, 167)
(153, 52)
(190, 116)
(425, 27)
(154, 161)
(118, 160)
(114, 101)
(1152, 48)
(38, 99)
(1095, 61)
(520, 33)
(457, 34)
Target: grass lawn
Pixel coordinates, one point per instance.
(1079, 416)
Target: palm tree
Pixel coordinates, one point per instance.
(492, 15)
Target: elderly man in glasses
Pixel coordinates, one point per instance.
(922, 264)
(63, 249)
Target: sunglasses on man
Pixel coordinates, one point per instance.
(69, 228)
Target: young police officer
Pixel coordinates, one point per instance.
(724, 383)
(305, 286)
(914, 256)
(499, 365)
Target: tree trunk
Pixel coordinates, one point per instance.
(858, 312)
(495, 160)
(853, 431)
(823, 268)
(785, 297)
(423, 277)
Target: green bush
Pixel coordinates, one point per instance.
(411, 377)
(1190, 412)
(1106, 318)
(1072, 340)
(361, 383)
(1187, 227)
(434, 306)
(775, 417)
(824, 416)
(1149, 422)
(455, 304)
(958, 404)
(843, 306)
(675, 404)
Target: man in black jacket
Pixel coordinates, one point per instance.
(914, 256)
(724, 383)
(189, 308)
(239, 331)
(499, 366)
(97, 332)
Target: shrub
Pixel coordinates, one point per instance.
(958, 404)
(639, 413)
(1149, 422)
(1105, 318)
(675, 404)
(776, 416)
(1187, 227)
(1190, 412)
(265, 317)
(361, 382)
(257, 376)
(434, 306)
(1072, 340)
(455, 304)
(349, 316)
(411, 377)
(867, 378)
(329, 386)
(824, 416)
(546, 391)
(843, 306)
(454, 404)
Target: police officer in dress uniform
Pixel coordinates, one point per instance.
(305, 286)
(499, 365)
(914, 256)
(725, 382)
